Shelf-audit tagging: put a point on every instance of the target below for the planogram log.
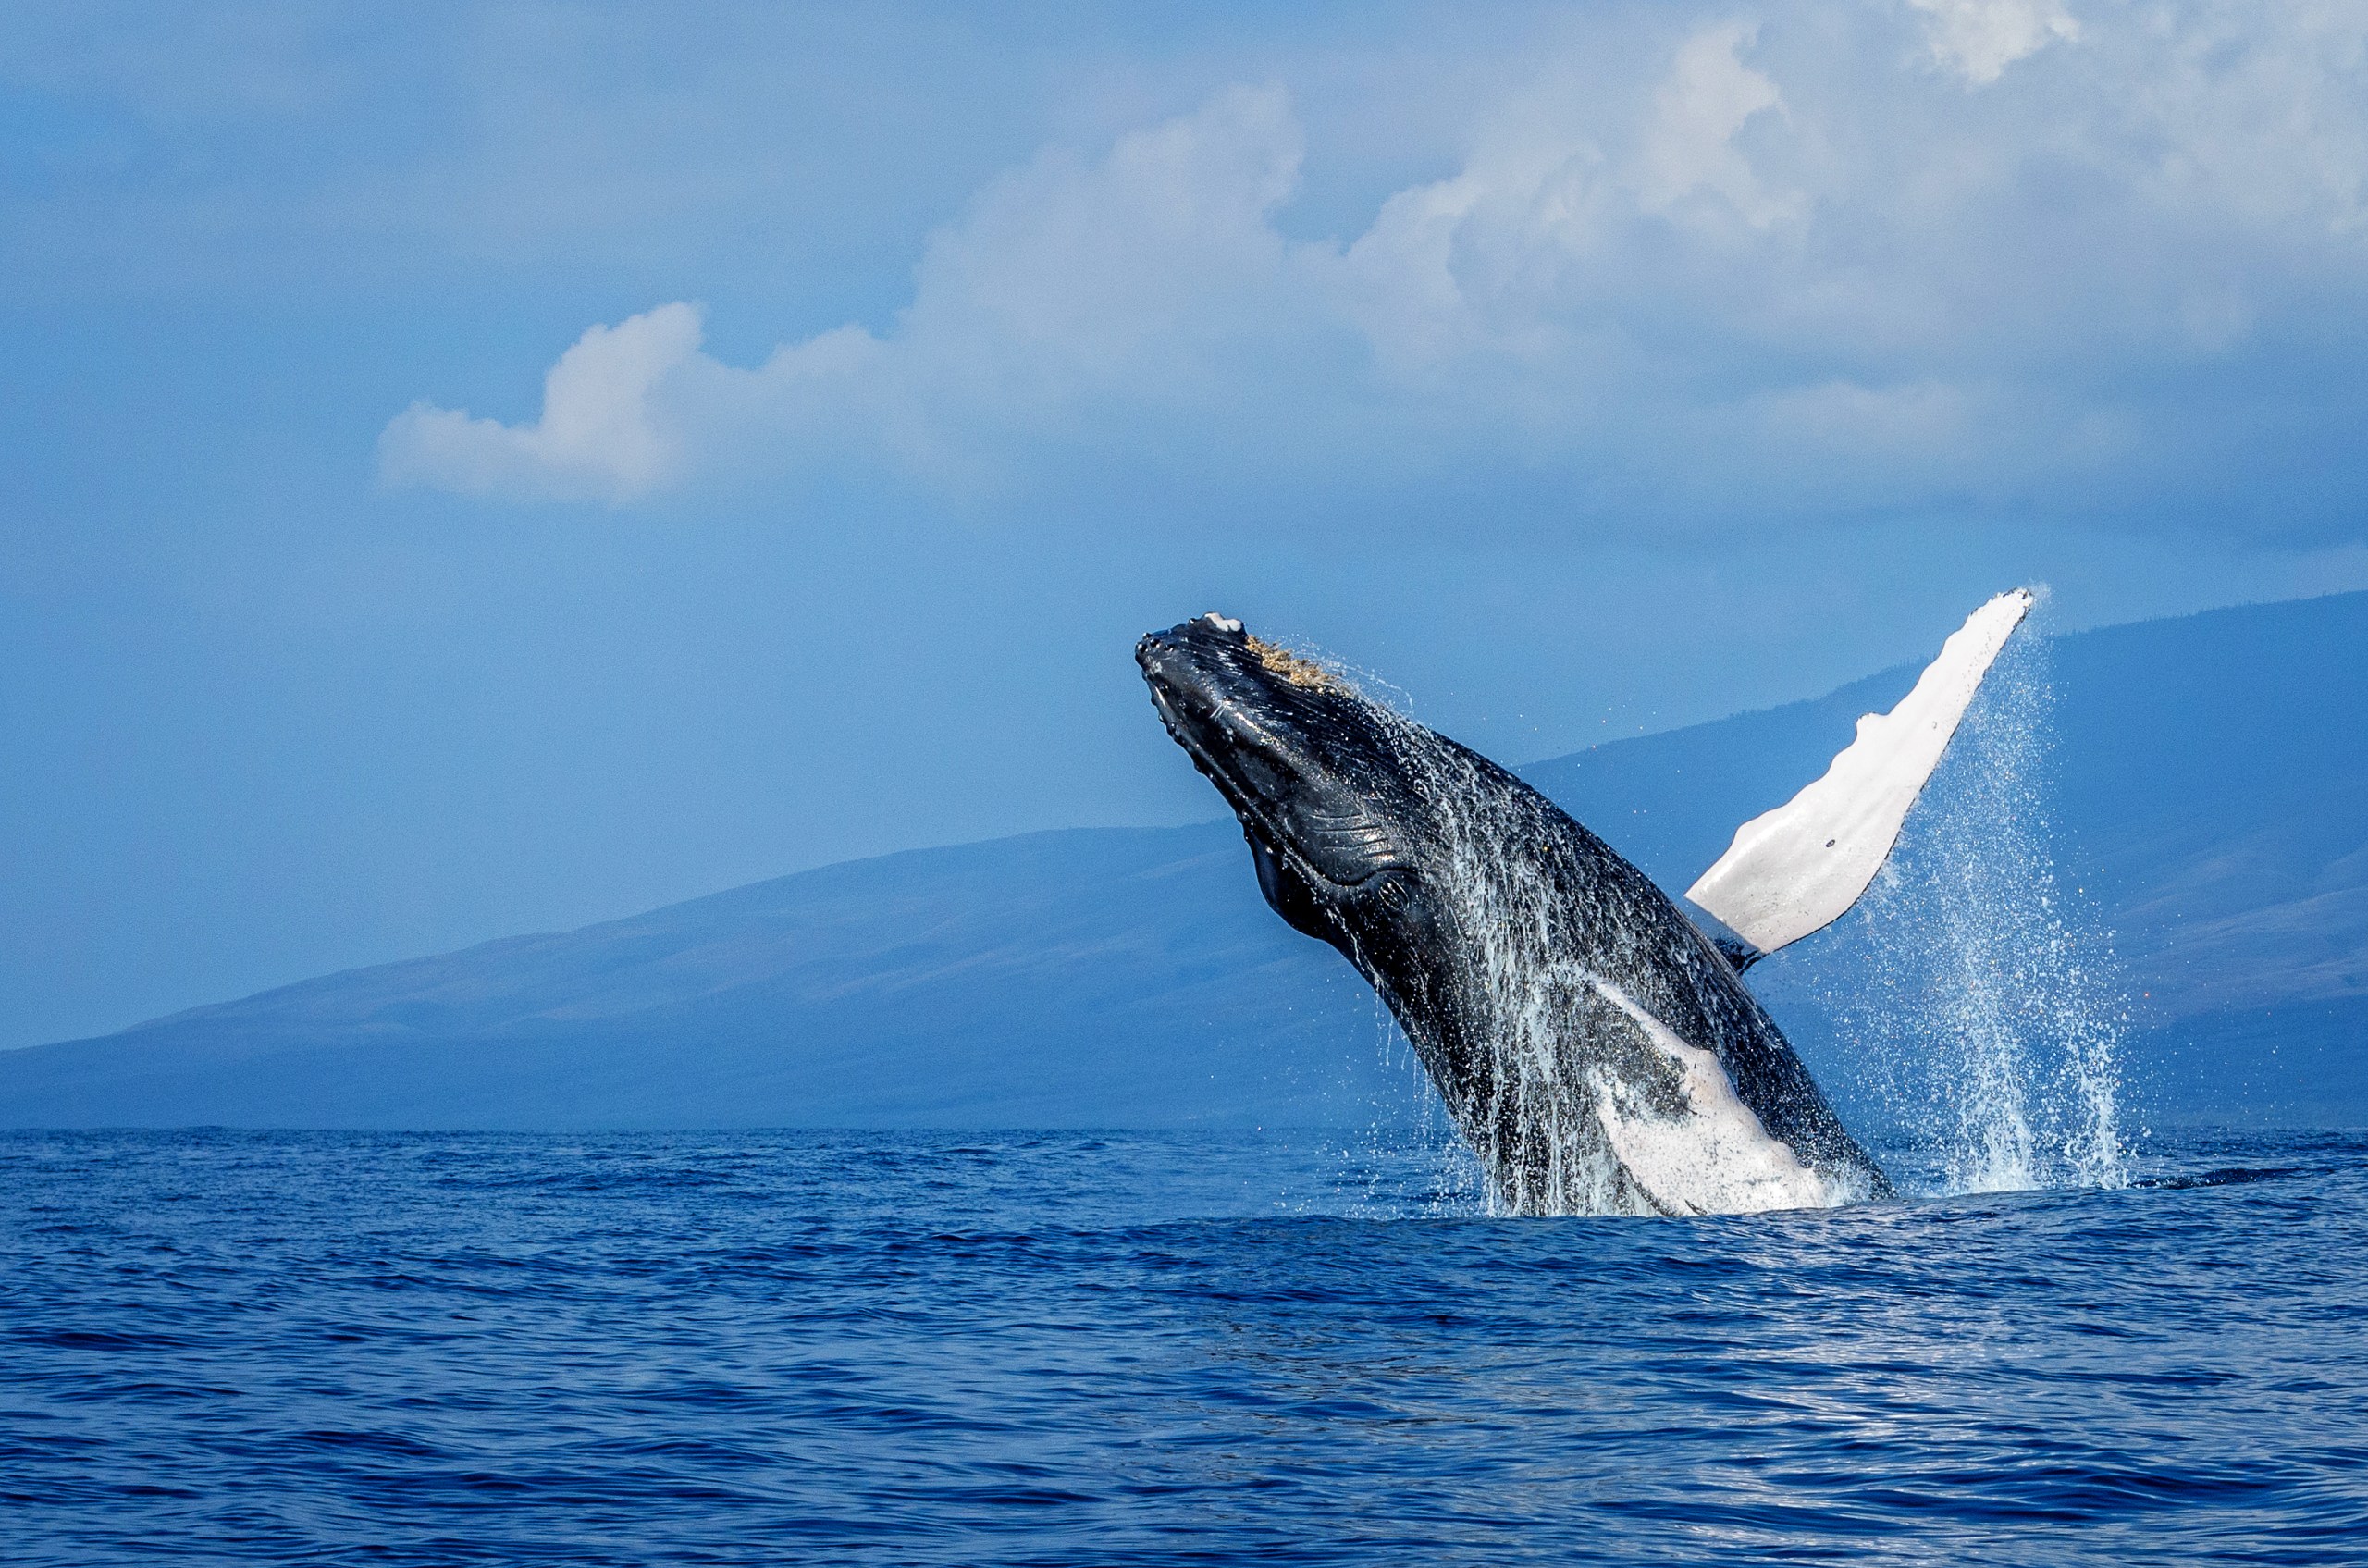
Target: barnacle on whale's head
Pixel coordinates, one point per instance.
(1296, 668)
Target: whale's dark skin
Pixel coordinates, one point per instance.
(1365, 829)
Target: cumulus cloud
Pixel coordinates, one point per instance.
(1069, 285)
(601, 435)
(1979, 39)
(1689, 149)
(1752, 264)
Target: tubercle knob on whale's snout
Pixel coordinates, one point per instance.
(1157, 650)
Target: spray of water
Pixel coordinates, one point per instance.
(1981, 998)
(1411, 1158)
(1988, 1014)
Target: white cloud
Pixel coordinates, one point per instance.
(1068, 284)
(1979, 39)
(1749, 268)
(1710, 94)
(602, 436)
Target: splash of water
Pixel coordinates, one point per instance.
(1983, 999)
(1992, 1018)
(1413, 1156)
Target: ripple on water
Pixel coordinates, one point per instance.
(1061, 1349)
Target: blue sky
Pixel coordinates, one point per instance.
(475, 469)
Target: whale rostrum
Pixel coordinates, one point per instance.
(1595, 1045)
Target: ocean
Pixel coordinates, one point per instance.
(1122, 1347)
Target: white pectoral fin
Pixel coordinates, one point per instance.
(1799, 867)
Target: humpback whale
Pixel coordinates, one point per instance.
(1594, 1041)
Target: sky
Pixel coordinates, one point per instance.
(474, 469)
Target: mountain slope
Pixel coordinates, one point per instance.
(2209, 803)
(1103, 977)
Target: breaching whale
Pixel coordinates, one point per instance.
(1594, 1043)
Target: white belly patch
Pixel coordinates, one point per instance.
(1715, 1157)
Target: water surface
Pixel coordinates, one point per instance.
(1070, 1349)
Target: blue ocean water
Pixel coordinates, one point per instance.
(811, 1348)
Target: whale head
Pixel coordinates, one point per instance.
(1346, 807)
(1313, 769)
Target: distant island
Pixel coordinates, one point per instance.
(2211, 801)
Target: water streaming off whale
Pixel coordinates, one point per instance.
(1979, 989)
(1559, 1132)
(1972, 995)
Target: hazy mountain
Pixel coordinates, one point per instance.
(2208, 791)
(2209, 803)
(1094, 977)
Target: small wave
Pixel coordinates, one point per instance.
(2232, 1177)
